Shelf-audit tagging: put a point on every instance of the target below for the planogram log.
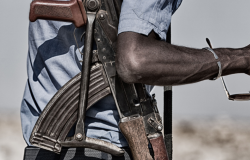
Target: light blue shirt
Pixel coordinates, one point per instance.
(53, 59)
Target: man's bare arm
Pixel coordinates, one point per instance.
(145, 59)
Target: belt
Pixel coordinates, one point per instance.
(34, 153)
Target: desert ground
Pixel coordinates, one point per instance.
(220, 138)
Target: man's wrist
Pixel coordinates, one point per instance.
(233, 60)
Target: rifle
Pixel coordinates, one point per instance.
(140, 120)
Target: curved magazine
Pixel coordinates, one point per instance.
(61, 112)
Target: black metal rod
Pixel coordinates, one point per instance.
(87, 56)
(167, 112)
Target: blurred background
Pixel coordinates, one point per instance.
(206, 125)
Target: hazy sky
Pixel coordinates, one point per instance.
(225, 22)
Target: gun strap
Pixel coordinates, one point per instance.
(130, 99)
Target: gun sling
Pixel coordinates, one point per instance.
(140, 121)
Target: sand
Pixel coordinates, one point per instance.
(216, 139)
(11, 140)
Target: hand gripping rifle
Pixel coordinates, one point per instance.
(140, 121)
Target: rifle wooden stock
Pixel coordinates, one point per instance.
(133, 130)
(70, 11)
(160, 151)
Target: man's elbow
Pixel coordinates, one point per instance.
(129, 66)
(129, 57)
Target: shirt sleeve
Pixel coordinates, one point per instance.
(143, 16)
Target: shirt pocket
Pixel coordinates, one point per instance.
(156, 12)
